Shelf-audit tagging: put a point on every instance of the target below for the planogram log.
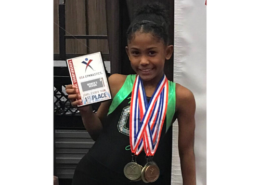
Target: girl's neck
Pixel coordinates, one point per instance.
(150, 86)
(149, 90)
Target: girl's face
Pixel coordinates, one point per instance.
(147, 55)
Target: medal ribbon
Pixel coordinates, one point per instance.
(146, 119)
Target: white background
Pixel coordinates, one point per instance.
(26, 133)
(190, 71)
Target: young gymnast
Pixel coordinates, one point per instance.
(133, 131)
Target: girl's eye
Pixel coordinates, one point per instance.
(152, 53)
(135, 53)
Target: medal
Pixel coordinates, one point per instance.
(151, 172)
(145, 125)
(142, 174)
(132, 171)
(140, 178)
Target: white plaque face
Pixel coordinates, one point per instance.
(89, 77)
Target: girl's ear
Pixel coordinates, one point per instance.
(169, 51)
(127, 52)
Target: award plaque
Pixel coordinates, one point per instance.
(88, 75)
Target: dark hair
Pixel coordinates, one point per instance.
(150, 18)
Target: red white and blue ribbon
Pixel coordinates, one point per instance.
(147, 119)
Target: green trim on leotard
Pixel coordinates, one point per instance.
(126, 89)
(171, 104)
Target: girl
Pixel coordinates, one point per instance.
(133, 131)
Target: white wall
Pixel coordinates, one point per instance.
(190, 71)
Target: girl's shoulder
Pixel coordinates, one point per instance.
(116, 81)
(184, 97)
(182, 92)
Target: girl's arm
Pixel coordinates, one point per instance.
(93, 121)
(185, 109)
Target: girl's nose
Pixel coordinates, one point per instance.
(144, 61)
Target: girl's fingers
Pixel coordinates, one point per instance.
(69, 86)
(76, 102)
(73, 99)
(72, 96)
(70, 91)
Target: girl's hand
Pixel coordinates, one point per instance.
(73, 95)
(75, 99)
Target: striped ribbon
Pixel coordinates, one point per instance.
(147, 119)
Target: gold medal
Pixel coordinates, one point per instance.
(132, 171)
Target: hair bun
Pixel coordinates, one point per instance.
(153, 8)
